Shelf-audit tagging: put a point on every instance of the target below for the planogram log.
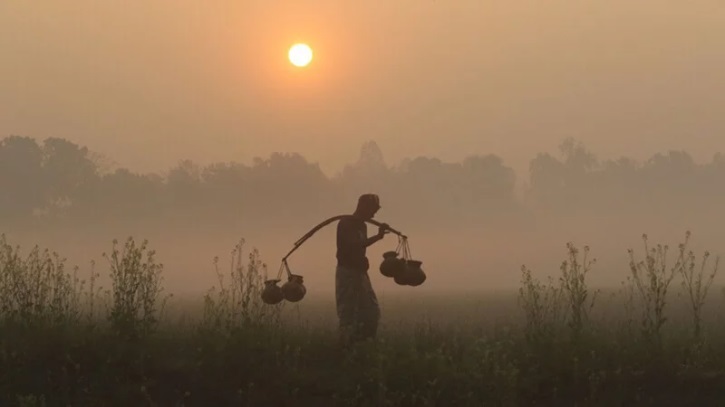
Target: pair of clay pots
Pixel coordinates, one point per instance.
(403, 271)
(293, 290)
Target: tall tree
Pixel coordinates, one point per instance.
(22, 184)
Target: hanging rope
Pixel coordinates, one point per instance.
(282, 268)
(403, 248)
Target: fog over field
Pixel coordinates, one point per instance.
(473, 223)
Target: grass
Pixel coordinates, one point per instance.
(66, 341)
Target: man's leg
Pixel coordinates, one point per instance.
(370, 309)
(347, 295)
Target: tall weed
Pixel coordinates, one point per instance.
(136, 279)
(651, 278)
(575, 290)
(542, 307)
(37, 289)
(237, 302)
(696, 281)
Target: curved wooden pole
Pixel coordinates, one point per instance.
(326, 222)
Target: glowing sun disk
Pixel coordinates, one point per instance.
(300, 55)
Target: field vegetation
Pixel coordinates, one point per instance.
(68, 341)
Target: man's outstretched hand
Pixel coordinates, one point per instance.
(383, 229)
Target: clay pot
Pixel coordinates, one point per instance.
(402, 277)
(391, 264)
(272, 293)
(411, 274)
(294, 289)
(415, 276)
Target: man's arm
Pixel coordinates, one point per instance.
(348, 236)
(382, 230)
(373, 239)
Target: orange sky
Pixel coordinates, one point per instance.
(149, 83)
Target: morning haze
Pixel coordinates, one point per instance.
(512, 141)
(484, 87)
(150, 83)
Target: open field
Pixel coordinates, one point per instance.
(66, 341)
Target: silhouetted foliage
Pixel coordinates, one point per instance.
(577, 181)
(59, 180)
(21, 177)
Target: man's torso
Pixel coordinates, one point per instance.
(351, 237)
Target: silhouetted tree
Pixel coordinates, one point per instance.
(22, 183)
(369, 173)
(59, 180)
(226, 187)
(124, 195)
(562, 183)
(488, 181)
(183, 185)
(286, 185)
(70, 175)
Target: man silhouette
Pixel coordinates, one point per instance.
(357, 304)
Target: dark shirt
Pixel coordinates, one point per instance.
(352, 235)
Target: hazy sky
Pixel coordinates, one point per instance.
(149, 83)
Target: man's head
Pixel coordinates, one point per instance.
(367, 206)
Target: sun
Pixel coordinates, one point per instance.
(300, 55)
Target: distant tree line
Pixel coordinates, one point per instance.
(59, 181)
(666, 182)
